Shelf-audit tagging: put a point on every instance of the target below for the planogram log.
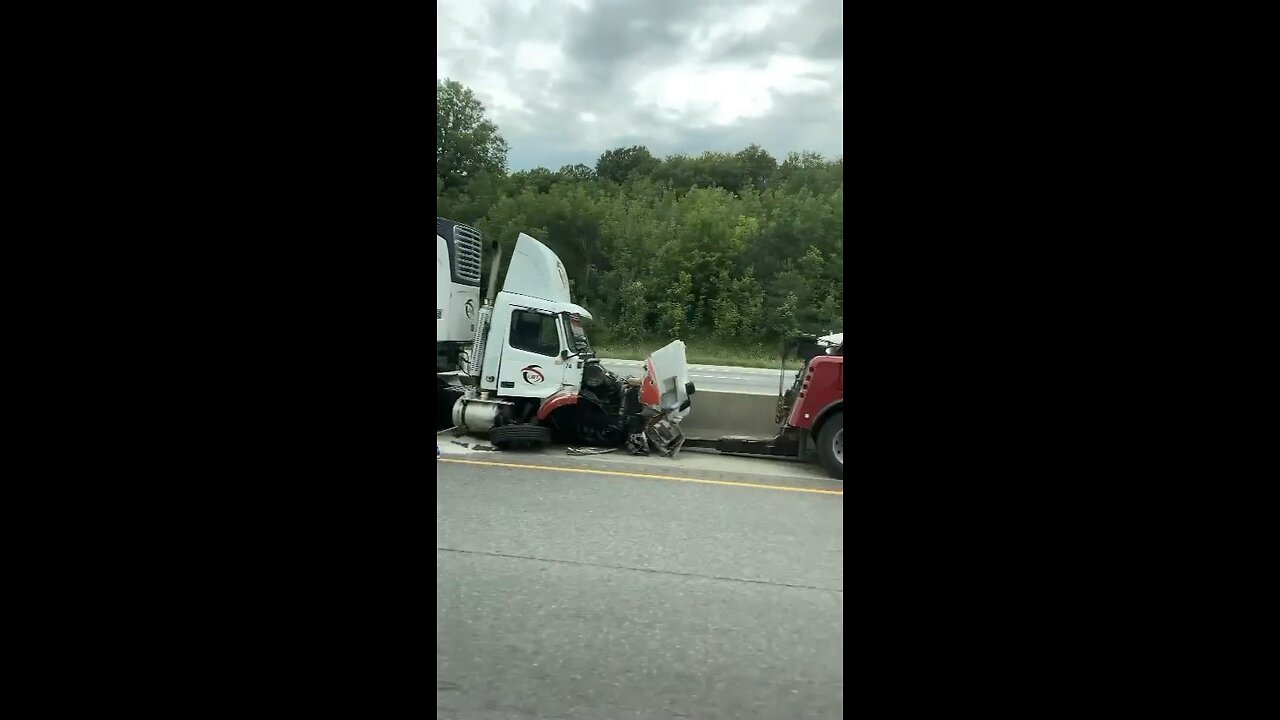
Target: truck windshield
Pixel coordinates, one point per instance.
(577, 335)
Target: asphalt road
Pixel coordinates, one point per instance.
(563, 593)
(763, 381)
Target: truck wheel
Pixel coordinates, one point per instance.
(831, 445)
(504, 437)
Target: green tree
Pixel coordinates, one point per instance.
(757, 165)
(673, 309)
(722, 170)
(577, 173)
(739, 310)
(676, 172)
(730, 247)
(633, 322)
(782, 323)
(466, 141)
(620, 163)
(809, 170)
(538, 179)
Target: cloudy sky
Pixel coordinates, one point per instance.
(566, 80)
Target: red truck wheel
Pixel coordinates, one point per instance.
(831, 445)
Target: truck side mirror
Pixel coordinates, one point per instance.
(564, 354)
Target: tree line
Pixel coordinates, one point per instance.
(735, 247)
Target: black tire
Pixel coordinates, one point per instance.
(505, 437)
(831, 446)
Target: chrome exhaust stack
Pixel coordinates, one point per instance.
(475, 365)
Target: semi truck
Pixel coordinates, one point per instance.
(517, 365)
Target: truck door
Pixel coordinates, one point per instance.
(530, 355)
(576, 340)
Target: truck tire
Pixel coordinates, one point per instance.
(831, 446)
(505, 437)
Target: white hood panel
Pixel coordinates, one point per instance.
(669, 372)
(537, 272)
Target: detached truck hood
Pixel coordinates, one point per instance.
(666, 378)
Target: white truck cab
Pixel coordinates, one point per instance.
(543, 342)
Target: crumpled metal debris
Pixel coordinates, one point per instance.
(474, 446)
(590, 450)
(637, 444)
(664, 436)
(660, 435)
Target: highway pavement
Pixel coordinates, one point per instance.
(616, 587)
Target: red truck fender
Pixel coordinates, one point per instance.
(556, 401)
(822, 389)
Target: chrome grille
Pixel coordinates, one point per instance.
(466, 252)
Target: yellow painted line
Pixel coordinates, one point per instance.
(784, 488)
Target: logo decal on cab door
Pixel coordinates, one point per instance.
(533, 374)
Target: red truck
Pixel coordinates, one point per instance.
(811, 413)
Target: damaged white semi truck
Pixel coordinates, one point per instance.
(518, 366)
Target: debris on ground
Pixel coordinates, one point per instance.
(590, 450)
(637, 445)
(660, 435)
(664, 436)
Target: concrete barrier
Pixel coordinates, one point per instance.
(716, 414)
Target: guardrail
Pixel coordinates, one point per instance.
(716, 414)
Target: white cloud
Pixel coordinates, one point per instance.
(722, 95)
(565, 81)
(539, 55)
(742, 23)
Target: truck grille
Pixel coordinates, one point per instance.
(466, 252)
